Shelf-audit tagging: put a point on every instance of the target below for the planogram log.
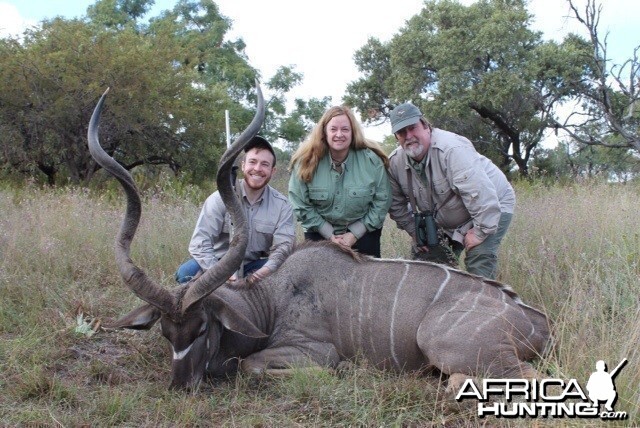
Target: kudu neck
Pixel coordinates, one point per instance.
(254, 301)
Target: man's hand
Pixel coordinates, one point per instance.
(262, 273)
(471, 240)
(233, 278)
(258, 275)
(423, 249)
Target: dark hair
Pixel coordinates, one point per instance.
(259, 142)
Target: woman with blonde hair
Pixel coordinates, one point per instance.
(339, 187)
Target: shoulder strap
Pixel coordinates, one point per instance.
(412, 198)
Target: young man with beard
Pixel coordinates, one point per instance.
(269, 217)
(439, 172)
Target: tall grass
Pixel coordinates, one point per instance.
(572, 250)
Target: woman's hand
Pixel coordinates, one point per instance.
(346, 239)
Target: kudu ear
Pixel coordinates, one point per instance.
(233, 320)
(142, 318)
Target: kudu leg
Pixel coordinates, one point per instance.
(285, 358)
(460, 350)
(523, 371)
(456, 380)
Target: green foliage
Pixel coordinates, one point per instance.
(569, 162)
(477, 70)
(116, 14)
(291, 128)
(171, 80)
(294, 128)
(389, 144)
(155, 113)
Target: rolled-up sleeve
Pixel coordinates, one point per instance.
(283, 238)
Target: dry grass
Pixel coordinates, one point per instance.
(574, 251)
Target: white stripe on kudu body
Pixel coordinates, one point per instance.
(363, 316)
(369, 311)
(443, 285)
(393, 316)
(466, 312)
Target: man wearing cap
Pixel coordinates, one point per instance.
(468, 196)
(269, 217)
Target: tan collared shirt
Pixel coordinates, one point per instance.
(271, 229)
(480, 190)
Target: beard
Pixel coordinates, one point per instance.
(414, 150)
(256, 182)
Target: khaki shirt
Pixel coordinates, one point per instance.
(474, 189)
(271, 229)
(356, 200)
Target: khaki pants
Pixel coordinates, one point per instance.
(480, 260)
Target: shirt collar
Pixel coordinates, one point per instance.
(418, 165)
(345, 163)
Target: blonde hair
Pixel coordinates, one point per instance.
(315, 147)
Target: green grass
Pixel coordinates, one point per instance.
(572, 250)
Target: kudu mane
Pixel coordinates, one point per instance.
(354, 254)
(504, 288)
(361, 258)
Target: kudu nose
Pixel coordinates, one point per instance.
(184, 386)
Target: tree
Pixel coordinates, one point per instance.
(570, 160)
(171, 81)
(297, 125)
(290, 128)
(477, 70)
(610, 100)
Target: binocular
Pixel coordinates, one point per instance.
(426, 229)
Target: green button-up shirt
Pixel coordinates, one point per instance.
(356, 200)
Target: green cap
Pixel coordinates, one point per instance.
(404, 115)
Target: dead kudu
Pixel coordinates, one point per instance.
(325, 305)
